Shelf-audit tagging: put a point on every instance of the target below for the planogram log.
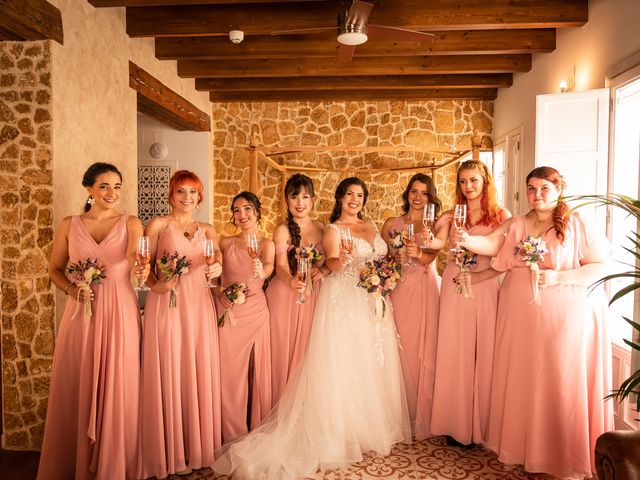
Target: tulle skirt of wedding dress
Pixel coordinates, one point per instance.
(346, 398)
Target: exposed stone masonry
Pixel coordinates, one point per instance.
(432, 125)
(26, 216)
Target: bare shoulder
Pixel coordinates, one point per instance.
(134, 222)
(156, 225)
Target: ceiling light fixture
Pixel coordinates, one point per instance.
(353, 34)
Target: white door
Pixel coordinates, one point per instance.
(507, 149)
(572, 136)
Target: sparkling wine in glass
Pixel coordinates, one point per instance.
(209, 257)
(302, 274)
(459, 217)
(411, 235)
(252, 249)
(142, 257)
(428, 220)
(346, 240)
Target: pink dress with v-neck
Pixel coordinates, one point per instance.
(246, 332)
(552, 364)
(92, 416)
(180, 398)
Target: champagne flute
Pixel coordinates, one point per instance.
(252, 249)
(459, 217)
(142, 257)
(411, 237)
(428, 220)
(346, 240)
(209, 256)
(302, 274)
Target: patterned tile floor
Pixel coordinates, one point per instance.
(430, 459)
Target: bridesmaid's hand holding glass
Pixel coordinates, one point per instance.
(213, 271)
(297, 284)
(412, 250)
(256, 268)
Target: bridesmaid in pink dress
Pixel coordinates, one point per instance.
(92, 417)
(180, 398)
(466, 326)
(552, 365)
(415, 303)
(245, 348)
(290, 320)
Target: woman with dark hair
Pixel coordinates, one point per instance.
(552, 364)
(347, 396)
(245, 348)
(466, 325)
(92, 415)
(180, 398)
(415, 299)
(290, 319)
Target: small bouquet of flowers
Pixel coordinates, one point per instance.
(313, 256)
(398, 238)
(237, 293)
(379, 278)
(85, 273)
(171, 265)
(466, 260)
(532, 250)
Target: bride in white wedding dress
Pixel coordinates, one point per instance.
(347, 397)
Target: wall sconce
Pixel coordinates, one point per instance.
(568, 85)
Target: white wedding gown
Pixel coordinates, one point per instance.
(347, 397)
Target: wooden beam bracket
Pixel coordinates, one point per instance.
(30, 20)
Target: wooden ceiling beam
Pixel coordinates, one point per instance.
(324, 45)
(353, 95)
(30, 20)
(368, 82)
(160, 102)
(264, 18)
(322, 67)
(161, 3)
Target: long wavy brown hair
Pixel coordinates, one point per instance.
(491, 209)
(561, 211)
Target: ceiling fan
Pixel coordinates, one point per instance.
(354, 29)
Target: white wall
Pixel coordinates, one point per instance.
(611, 35)
(187, 150)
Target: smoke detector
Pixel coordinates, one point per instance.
(236, 36)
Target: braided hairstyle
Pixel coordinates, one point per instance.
(561, 210)
(491, 209)
(294, 186)
(90, 176)
(341, 191)
(432, 193)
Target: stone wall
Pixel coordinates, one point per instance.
(26, 186)
(432, 125)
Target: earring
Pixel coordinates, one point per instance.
(198, 207)
(91, 200)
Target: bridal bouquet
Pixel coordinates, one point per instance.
(85, 273)
(237, 293)
(532, 250)
(171, 266)
(466, 260)
(379, 278)
(313, 256)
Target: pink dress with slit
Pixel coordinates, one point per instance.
(92, 415)
(290, 327)
(415, 308)
(552, 364)
(246, 331)
(180, 397)
(464, 364)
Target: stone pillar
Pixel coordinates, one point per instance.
(26, 216)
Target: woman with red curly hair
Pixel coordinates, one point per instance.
(180, 399)
(466, 323)
(552, 364)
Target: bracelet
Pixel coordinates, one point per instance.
(419, 256)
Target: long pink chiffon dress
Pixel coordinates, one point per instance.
(244, 336)
(552, 365)
(290, 327)
(92, 415)
(415, 308)
(464, 363)
(180, 397)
